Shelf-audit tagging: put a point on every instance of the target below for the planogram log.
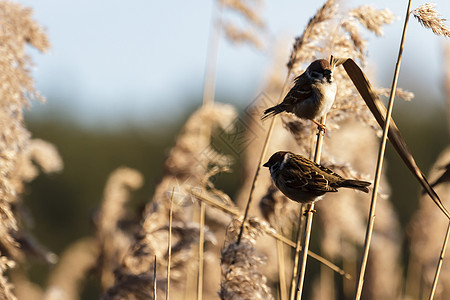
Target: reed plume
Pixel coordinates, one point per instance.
(306, 46)
(188, 163)
(6, 287)
(241, 277)
(428, 17)
(250, 10)
(113, 239)
(237, 35)
(17, 89)
(18, 30)
(251, 30)
(39, 156)
(77, 261)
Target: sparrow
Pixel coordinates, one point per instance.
(311, 96)
(305, 181)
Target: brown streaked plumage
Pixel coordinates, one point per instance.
(311, 96)
(305, 181)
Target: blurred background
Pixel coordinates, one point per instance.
(121, 78)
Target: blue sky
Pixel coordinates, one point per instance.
(141, 61)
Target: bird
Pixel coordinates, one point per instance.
(311, 96)
(305, 181)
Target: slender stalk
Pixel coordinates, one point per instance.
(169, 246)
(261, 157)
(154, 279)
(273, 234)
(371, 221)
(306, 239)
(320, 133)
(298, 248)
(309, 219)
(209, 85)
(281, 269)
(201, 244)
(439, 266)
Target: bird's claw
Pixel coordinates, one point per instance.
(320, 126)
(309, 210)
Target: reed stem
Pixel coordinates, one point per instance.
(439, 266)
(209, 85)
(309, 218)
(201, 244)
(298, 249)
(371, 220)
(154, 279)
(305, 243)
(169, 246)
(275, 235)
(261, 157)
(281, 269)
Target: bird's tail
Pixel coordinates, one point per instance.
(357, 185)
(270, 112)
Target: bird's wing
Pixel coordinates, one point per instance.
(300, 91)
(308, 181)
(328, 171)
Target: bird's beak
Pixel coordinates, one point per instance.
(266, 165)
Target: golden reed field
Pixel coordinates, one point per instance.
(193, 240)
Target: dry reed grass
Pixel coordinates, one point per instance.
(348, 106)
(426, 228)
(428, 17)
(113, 239)
(78, 260)
(131, 257)
(18, 30)
(18, 151)
(426, 232)
(346, 42)
(6, 287)
(241, 276)
(379, 167)
(252, 31)
(342, 217)
(186, 167)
